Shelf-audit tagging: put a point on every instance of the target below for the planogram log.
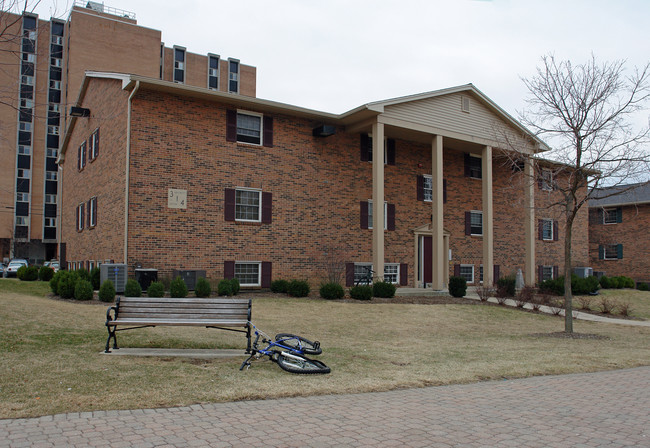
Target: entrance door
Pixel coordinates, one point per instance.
(427, 259)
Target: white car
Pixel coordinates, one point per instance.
(54, 264)
(14, 265)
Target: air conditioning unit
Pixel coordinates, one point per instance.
(189, 276)
(114, 272)
(583, 272)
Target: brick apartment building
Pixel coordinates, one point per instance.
(172, 176)
(619, 242)
(43, 65)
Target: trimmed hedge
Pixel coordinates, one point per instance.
(331, 291)
(202, 288)
(156, 289)
(107, 291)
(280, 286)
(506, 286)
(224, 287)
(45, 273)
(83, 290)
(95, 277)
(361, 292)
(178, 288)
(67, 284)
(457, 286)
(54, 282)
(27, 273)
(298, 288)
(234, 284)
(132, 288)
(383, 289)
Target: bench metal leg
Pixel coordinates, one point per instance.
(111, 334)
(248, 338)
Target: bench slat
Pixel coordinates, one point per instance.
(179, 322)
(182, 300)
(183, 316)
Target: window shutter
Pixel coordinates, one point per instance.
(267, 139)
(83, 216)
(79, 158)
(403, 274)
(556, 272)
(365, 144)
(97, 143)
(267, 207)
(228, 269)
(540, 272)
(601, 216)
(456, 270)
(364, 214)
(390, 151)
(95, 210)
(390, 216)
(468, 223)
(229, 204)
(601, 252)
(231, 125)
(619, 251)
(467, 165)
(266, 274)
(540, 229)
(420, 187)
(556, 231)
(444, 191)
(497, 273)
(349, 274)
(89, 206)
(76, 219)
(619, 215)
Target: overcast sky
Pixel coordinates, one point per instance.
(335, 55)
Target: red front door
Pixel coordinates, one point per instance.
(427, 267)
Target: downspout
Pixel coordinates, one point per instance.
(128, 166)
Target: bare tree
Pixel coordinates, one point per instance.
(587, 112)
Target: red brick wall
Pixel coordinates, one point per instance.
(632, 233)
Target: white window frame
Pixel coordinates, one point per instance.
(259, 272)
(360, 271)
(607, 213)
(92, 217)
(54, 84)
(53, 130)
(24, 149)
(428, 179)
(22, 221)
(547, 224)
(27, 80)
(467, 266)
(51, 221)
(547, 180)
(259, 207)
(261, 130)
(480, 158)
(27, 103)
(611, 247)
(371, 152)
(81, 209)
(29, 57)
(214, 72)
(50, 199)
(396, 273)
(51, 175)
(57, 40)
(480, 273)
(473, 213)
(52, 152)
(232, 76)
(82, 155)
(371, 217)
(547, 273)
(22, 197)
(25, 126)
(93, 149)
(54, 108)
(24, 173)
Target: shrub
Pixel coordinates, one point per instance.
(556, 305)
(607, 306)
(27, 273)
(107, 291)
(331, 291)
(83, 274)
(485, 292)
(613, 283)
(361, 292)
(553, 286)
(298, 288)
(156, 289)
(178, 288)
(20, 273)
(234, 283)
(584, 302)
(280, 286)
(506, 286)
(202, 288)
(67, 283)
(95, 277)
(526, 295)
(457, 286)
(83, 290)
(224, 288)
(383, 289)
(604, 282)
(54, 282)
(627, 282)
(45, 273)
(643, 287)
(624, 309)
(132, 288)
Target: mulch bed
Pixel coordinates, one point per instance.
(563, 335)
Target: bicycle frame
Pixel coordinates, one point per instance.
(367, 279)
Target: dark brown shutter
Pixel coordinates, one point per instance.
(76, 218)
(619, 251)
(266, 274)
(267, 207)
(365, 143)
(556, 272)
(268, 131)
(403, 274)
(90, 206)
(420, 187)
(231, 125)
(540, 273)
(619, 215)
(390, 151)
(601, 252)
(468, 171)
(349, 274)
(83, 216)
(456, 270)
(390, 216)
(540, 229)
(556, 231)
(229, 204)
(364, 214)
(228, 269)
(97, 142)
(468, 223)
(444, 191)
(497, 273)
(95, 210)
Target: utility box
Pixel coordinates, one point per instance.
(189, 276)
(114, 272)
(145, 277)
(583, 272)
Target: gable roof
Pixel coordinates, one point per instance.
(630, 194)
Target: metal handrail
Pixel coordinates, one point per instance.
(100, 7)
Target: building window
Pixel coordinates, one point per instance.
(21, 221)
(248, 205)
(50, 199)
(53, 130)
(249, 128)
(52, 152)
(428, 188)
(480, 273)
(57, 40)
(24, 149)
(92, 212)
(29, 57)
(361, 271)
(179, 65)
(547, 230)
(391, 272)
(476, 223)
(233, 76)
(94, 145)
(370, 215)
(56, 85)
(81, 161)
(49, 222)
(81, 208)
(473, 166)
(55, 108)
(22, 197)
(546, 180)
(248, 274)
(547, 273)
(26, 103)
(467, 272)
(27, 80)
(611, 251)
(24, 173)
(213, 72)
(51, 175)
(612, 215)
(25, 127)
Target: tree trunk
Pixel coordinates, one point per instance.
(568, 294)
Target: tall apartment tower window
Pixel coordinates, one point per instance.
(213, 71)
(233, 75)
(179, 64)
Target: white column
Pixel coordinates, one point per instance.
(378, 199)
(529, 221)
(439, 260)
(488, 226)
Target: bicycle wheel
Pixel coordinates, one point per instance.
(299, 364)
(299, 343)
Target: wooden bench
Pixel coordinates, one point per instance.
(142, 312)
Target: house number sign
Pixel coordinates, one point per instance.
(177, 198)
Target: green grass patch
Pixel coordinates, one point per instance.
(35, 288)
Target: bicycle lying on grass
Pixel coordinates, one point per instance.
(288, 351)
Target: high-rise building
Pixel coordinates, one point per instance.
(43, 63)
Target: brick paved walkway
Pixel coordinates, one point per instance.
(606, 409)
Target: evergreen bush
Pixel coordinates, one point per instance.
(224, 288)
(280, 286)
(361, 292)
(202, 288)
(457, 286)
(234, 284)
(83, 290)
(331, 291)
(156, 289)
(604, 282)
(506, 286)
(45, 273)
(178, 288)
(95, 277)
(20, 273)
(67, 284)
(54, 282)
(383, 289)
(107, 291)
(132, 288)
(298, 288)
(83, 274)
(643, 287)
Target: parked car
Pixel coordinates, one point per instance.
(14, 265)
(2, 269)
(54, 264)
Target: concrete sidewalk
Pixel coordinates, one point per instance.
(604, 409)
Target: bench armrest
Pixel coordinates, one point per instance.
(108, 314)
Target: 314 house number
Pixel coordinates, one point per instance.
(177, 198)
